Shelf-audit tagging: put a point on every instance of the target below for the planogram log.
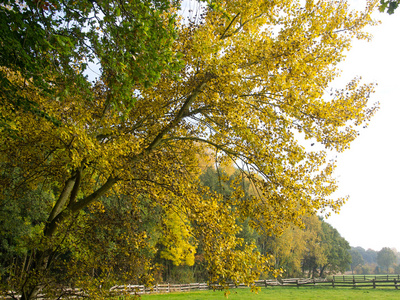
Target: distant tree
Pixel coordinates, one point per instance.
(371, 256)
(314, 250)
(366, 269)
(360, 250)
(386, 258)
(356, 259)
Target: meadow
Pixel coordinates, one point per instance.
(283, 293)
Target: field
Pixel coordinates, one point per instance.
(283, 293)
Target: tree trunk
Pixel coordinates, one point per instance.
(36, 271)
(321, 273)
(34, 274)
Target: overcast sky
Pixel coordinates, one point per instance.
(370, 171)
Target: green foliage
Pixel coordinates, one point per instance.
(54, 43)
(389, 6)
(386, 258)
(337, 249)
(22, 216)
(315, 250)
(356, 259)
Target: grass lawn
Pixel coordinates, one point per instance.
(283, 293)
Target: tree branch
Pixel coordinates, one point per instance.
(74, 207)
(62, 200)
(230, 24)
(183, 112)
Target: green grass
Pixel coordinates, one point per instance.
(283, 293)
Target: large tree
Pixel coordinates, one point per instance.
(253, 88)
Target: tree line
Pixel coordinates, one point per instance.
(369, 261)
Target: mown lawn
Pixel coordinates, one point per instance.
(283, 293)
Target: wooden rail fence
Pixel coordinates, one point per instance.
(357, 281)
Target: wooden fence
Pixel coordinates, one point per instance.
(389, 281)
(159, 288)
(365, 277)
(357, 281)
(386, 281)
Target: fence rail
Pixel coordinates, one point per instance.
(365, 277)
(350, 282)
(357, 281)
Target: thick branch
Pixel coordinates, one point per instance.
(62, 200)
(77, 185)
(180, 115)
(74, 207)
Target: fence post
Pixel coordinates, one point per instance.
(354, 282)
(333, 282)
(373, 283)
(395, 284)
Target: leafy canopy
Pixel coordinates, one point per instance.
(57, 44)
(253, 88)
(389, 6)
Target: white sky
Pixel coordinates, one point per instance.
(370, 171)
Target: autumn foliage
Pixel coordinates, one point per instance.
(252, 88)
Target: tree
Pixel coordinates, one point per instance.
(356, 259)
(253, 88)
(287, 249)
(386, 258)
(314, 250)
(336, 249)
(315, 254)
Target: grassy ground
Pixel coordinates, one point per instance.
(283, 293)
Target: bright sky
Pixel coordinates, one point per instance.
(370, 171)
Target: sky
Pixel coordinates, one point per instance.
(369, 172)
